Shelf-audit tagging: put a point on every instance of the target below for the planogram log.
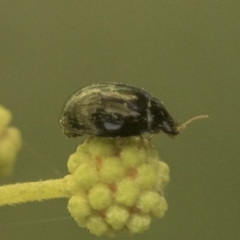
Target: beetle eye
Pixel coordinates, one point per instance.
(169, 127)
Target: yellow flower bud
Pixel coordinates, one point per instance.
(116, 185)
(10, 143)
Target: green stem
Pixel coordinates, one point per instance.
(31, 191)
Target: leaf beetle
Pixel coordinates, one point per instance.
(115, 110)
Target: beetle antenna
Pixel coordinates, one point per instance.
(183, 125)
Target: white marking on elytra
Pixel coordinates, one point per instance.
(149, 119)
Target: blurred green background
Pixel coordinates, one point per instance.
(186, 53)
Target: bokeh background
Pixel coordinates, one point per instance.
(186, 53)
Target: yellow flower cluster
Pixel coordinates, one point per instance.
(10, 142)
(116, 185)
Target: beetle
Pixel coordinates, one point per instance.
(115, 110)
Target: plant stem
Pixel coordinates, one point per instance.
(31, 191)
